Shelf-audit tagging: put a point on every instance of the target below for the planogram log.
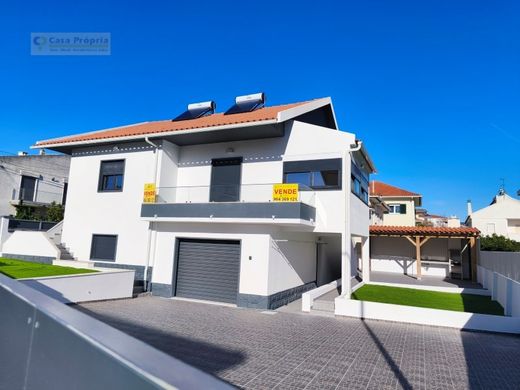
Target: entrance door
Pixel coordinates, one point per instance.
(225, 180)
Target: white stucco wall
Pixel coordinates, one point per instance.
(501, 218)
(30, 244)
(271, 259)
(91, 212)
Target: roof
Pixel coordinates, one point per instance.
(382, 230)
(383, 189)
(219, 120)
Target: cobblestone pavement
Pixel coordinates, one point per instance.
(255, 350)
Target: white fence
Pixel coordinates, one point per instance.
(505, 263)
(504, 290)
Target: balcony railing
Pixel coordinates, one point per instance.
(244, 193)
(37, 196)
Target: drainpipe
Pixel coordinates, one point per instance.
(346, 266)
(151, 224)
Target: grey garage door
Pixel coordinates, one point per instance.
(208, 269)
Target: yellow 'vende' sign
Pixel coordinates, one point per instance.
(285, 192)
(149, 193)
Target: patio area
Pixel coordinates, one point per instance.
(433, 281)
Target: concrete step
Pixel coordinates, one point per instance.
(327, 306)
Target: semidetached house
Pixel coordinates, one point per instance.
(501, 217)
(249, 207)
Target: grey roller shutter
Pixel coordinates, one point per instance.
(208, 269)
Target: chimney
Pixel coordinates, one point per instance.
(42, 152)
(470, 208)
(453, 221)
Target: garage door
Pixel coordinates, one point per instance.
(208, 269)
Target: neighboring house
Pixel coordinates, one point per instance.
(218, 226)
(32, 180)
(401, 203)
(423, 218)
(501, 217)
(378, 208)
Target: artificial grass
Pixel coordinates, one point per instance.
(430, 299)
(18, 269)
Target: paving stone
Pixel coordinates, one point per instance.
(252, 350)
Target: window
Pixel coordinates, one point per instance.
(111, 176)
(397, 208)
(316, 174)
(303, 178)
(27, 188)
(103, 247)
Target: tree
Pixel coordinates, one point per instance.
(499, 243)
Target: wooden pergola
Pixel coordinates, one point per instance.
(420, 235)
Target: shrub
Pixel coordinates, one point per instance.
(499, 243)
(55, 212)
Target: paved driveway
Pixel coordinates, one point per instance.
(254, 350)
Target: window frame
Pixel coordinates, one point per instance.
(101, 178)
(94, 235)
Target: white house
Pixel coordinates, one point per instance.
(215, 223)
(501, 217)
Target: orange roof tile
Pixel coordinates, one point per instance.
(157, 127)
(423, 230)
(383, 189)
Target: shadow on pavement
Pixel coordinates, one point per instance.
(205, 356)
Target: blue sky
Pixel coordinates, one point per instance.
(431, 87)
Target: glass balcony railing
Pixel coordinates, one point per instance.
(247, 193)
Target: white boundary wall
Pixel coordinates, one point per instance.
(505, 263)
(504, 290)
(424, 316)
(96, 286)
(30, 244)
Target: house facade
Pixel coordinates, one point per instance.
(250, 207)
(34, 181)
(401, 203)
(501, 217)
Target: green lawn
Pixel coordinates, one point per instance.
(430, 299)
(18, 269)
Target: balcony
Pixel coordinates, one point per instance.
(247, 203)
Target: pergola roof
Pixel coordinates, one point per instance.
(423, 231)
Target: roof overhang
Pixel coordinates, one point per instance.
(227, 132)
(423, 231)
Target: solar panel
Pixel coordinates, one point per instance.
(246, 103)
(196, 110)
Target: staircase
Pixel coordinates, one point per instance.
(64, 252)
(54, 235)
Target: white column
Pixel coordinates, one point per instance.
(346, 238)
(4, 231)
(365, 256)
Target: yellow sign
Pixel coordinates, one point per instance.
(149, 193)
(285, 192)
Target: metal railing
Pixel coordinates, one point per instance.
(251, 193)
(48, 345)
(24, 224)
(38, 196)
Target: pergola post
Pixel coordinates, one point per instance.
(473, 257)
(418, 256)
